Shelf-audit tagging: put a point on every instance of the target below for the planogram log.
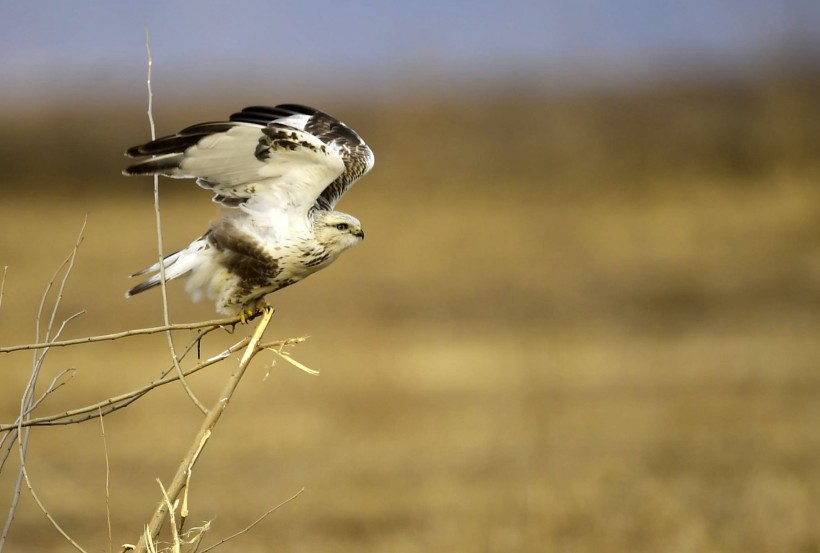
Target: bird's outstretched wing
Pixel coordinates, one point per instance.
(290, 157)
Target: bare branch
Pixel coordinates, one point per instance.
(217, 323)
(28, 394)
(118, 402)
(171, 512)
(46, 513)
(287, 357)
(148, 83)
(42, 306)
(15, 499)
(3, 283)
(11, 433)
(175, 488)
(107, 484)
(254, 523)
(160, 249)
(70, 262)
(27, 400)
(56, 383)
(32, 422)
(22, 447)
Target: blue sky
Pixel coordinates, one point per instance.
(49, 47)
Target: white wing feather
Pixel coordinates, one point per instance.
(289, 179)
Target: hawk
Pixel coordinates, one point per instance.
(278, 172)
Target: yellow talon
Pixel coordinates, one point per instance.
(251, 310)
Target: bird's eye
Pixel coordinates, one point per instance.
(342, 226)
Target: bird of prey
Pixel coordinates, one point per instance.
(278, 173)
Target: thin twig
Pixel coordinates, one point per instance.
(149, 543)
(217, 323)
(113, 404)
(287, 357)
(71, 259)
(191, 345)
(193, 537)
(3, 283)
(254, 523)
(160, 249)
(56, 383)
(107, 484)
(42, 306)
(6, 454)
(68, 261)
(22, 447)
(65, 322)
(27, 400)
(120, 401)
(171, 516)
(43, 507)
(38, 360)
(175, 488)
(15, 499)
(148, 83)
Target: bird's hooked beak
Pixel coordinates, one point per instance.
(358, 232)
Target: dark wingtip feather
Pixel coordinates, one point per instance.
(299, 108)
(133, 151)
(262, 115)
(178, 143)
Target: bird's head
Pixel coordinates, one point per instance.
(337, 231)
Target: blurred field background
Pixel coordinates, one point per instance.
(582, 320)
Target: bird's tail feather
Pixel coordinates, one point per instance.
(176, 265)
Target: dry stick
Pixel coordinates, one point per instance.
(175, 488)
(13, 507)
(14, 501)
(3, 283)
(107, 484)
(171, 517)
(217, 323)
(120, 401)
(38, 361)
(162, 279)
(49, 420)
(27, 399)
(37, 498)
(183, 513)
(193, 537)
(111, 404)
(56, 383)
(28, 395)
(27, 402)
(70, 266)
(254, 523)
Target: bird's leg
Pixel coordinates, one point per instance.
(253, 309)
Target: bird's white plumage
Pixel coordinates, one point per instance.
(279, 172)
